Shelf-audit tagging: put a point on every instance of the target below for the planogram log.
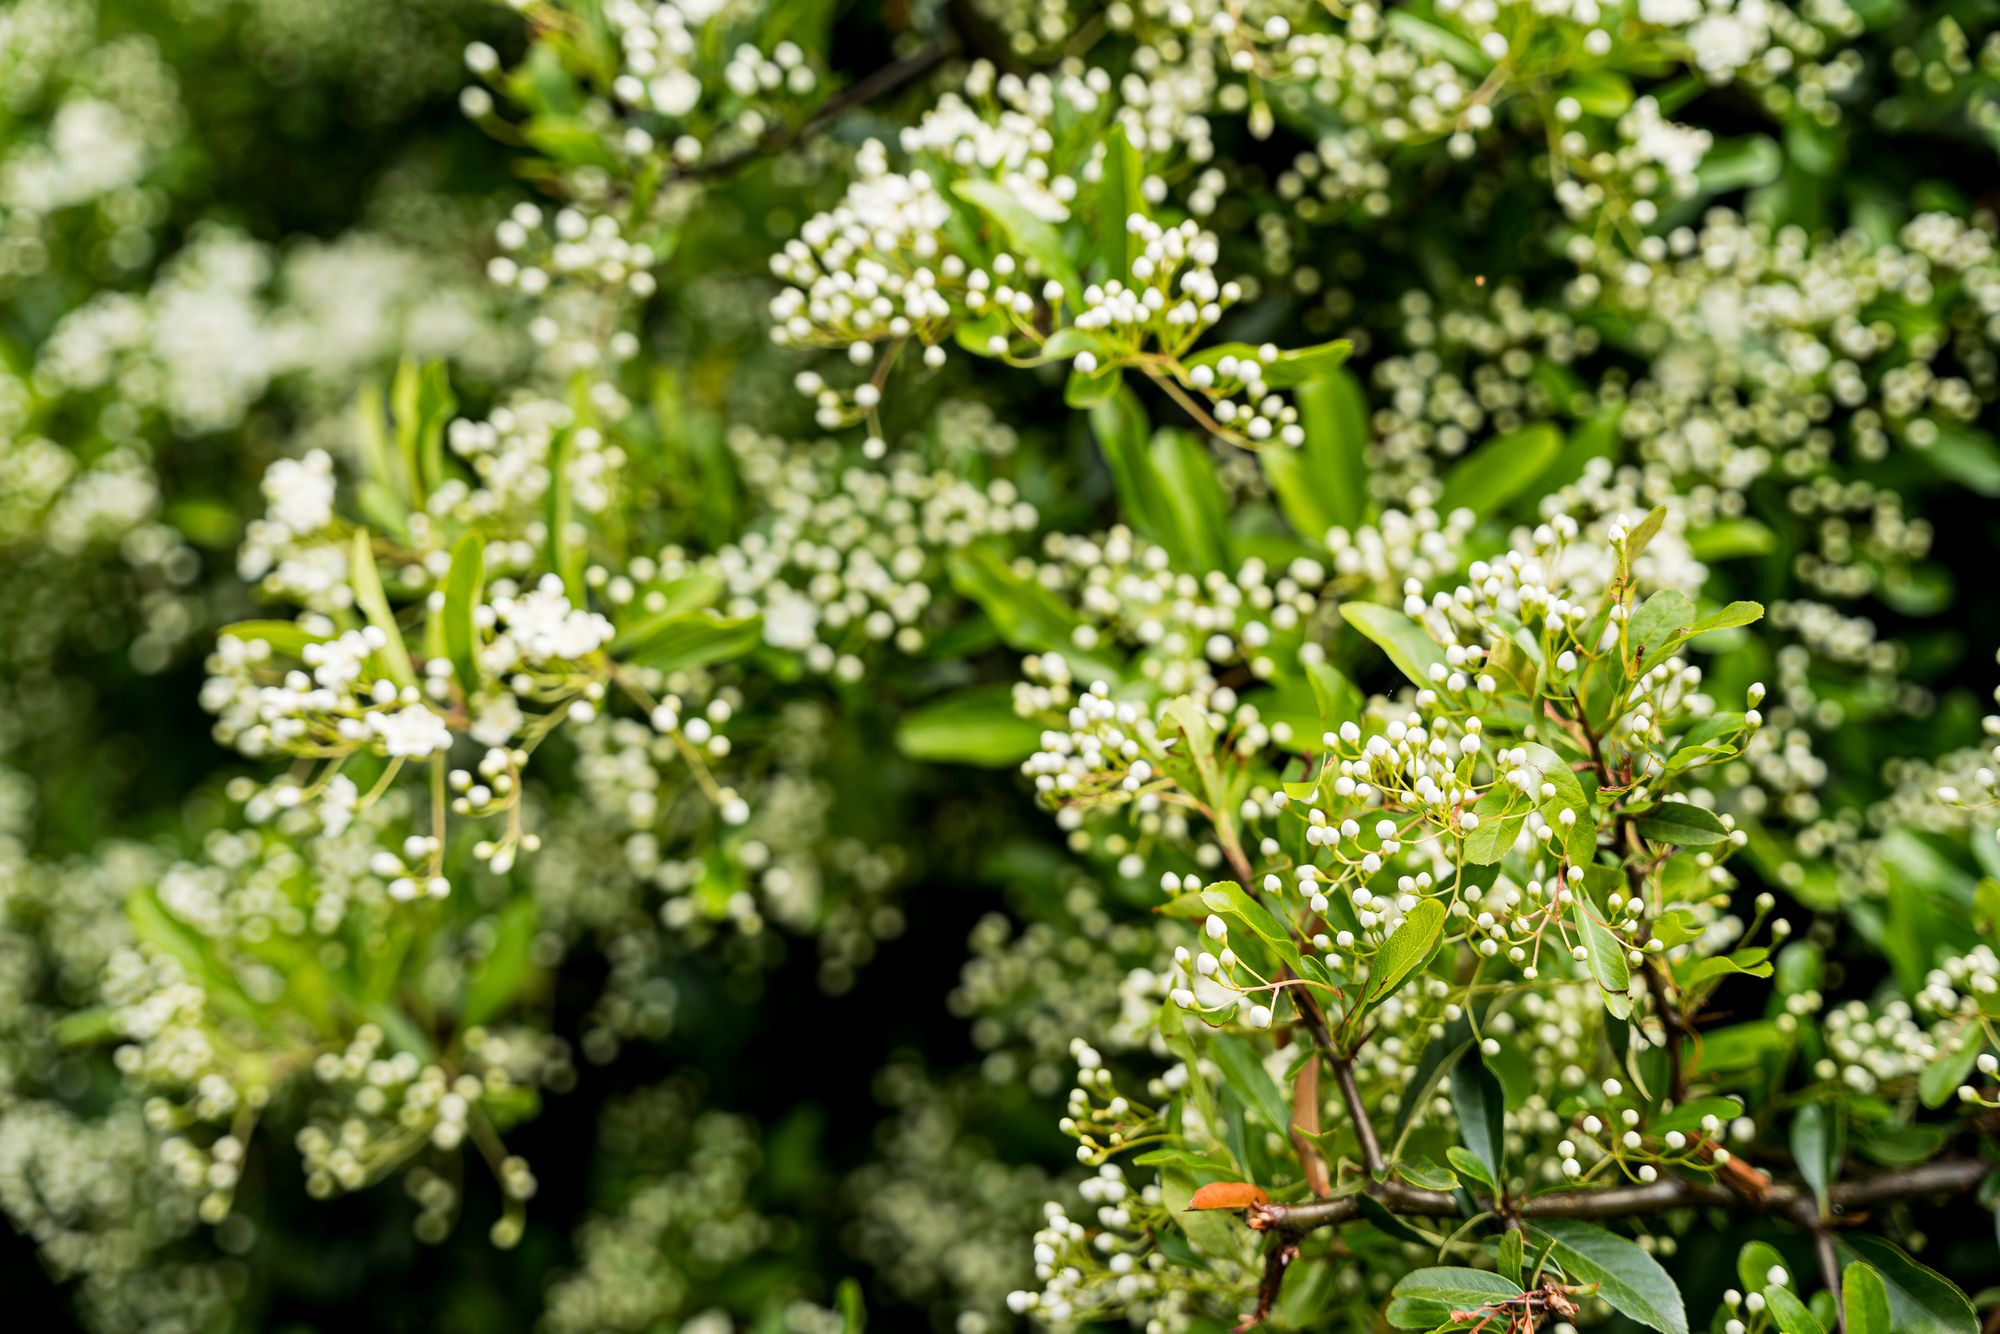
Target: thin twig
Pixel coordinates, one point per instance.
(1357, 1112)
(1948, 1176)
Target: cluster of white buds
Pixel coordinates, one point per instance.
(537, 250)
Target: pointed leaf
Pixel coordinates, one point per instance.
(1408, 644)
(464, 583)
(1629, 1279)
(1408, 945)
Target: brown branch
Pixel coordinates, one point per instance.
(1279, 1253)
(1947, 1176)
(1357, 1112)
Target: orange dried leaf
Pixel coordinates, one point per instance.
(1228, 1195)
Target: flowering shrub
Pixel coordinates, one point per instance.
(707, 665)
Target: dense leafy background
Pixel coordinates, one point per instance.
(300, 123)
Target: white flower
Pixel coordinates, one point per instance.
(412, 732)
(337, 804)
(300, 492)
(497, 721)
(545, 627)
(791, 621)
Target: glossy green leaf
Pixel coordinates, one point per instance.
(1408, 946)
(1408, 644)
(1324, 482)
(1119, 196)
(1628, 1278)
(1480, 1105)
(1244, 1075)
(1028, 236)
(697, 640)
(464, 584)
(1470, 1167)
(286, 637)
(1864, 1300)
(1606, 961)
(1790, 1313)
(498, 978)
(1492, 475)
(1683, 823)
(374, 604)
(1920, 1300)
(1028, 616)
(1939, 1081)
(976, 726)
(1427, 1298)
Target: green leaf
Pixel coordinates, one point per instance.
(1498, 828)
(1739, 164)
(565, 543)
(1123, 432)
(1938, 1083)
(1193, 507)
(1408, 644)
(1028, 236)
(1485, 480)
(1431, 39)
(1440, 1055)
(1087, 391)
(1753, 962)
(1580, 838)
(1754, 1264)
(1629, 1279)
(1244, 1075)
(1324, 482)
(1791, 1313)
(1512, 1254)
(696, 640)
(1119, 196)
(1965, 455)
(1920, 1300)
(666, 603)
(977, 727)
(1731, 616)
(1729, 539)
(498, 978)
(1378, 1213)
(1864, 1301)
(1469, 1167)
(422, 403)
(1601, 92)
(1426, 1298)
(853, 1312)
(1230, 901)
(382, 490)
(1480, 1105)
(374, 604)
(1028, 616)
(286, 637)
(1408, 945)
(1819, 1140)
(1607, 959)
(1660, 623)
(1337, 698)
(1681, 822)
(1421, 1171)
(463, 584)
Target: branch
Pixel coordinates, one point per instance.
(1947, 1176)
(1357, 1112)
